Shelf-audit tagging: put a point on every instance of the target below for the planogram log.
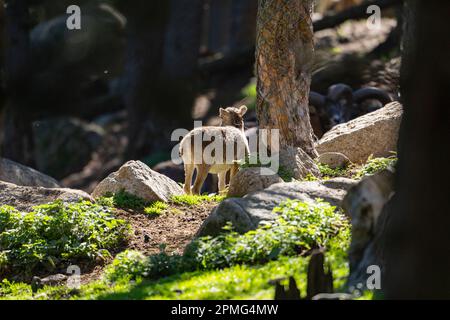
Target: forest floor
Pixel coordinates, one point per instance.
(170, 232)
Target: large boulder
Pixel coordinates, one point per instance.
(138, 179)
(25, 198)
(21, 175)
(65, 145)
(249, 180)
(246, 213)
(367, 205)
(374, 133)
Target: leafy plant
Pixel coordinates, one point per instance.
(299, 227)
(57, 232)
(374, 165)
(127, 265)
(123, 200)
(328, 172)
(156, 208)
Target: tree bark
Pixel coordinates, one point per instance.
(417, 239)
(284, 55)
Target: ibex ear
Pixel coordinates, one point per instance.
(242, 110)
(222, 112)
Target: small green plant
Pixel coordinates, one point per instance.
(310, 177)
(194, 200)
(133, 265)
(299, 227)
(56, 233)
(328, 172)
(105, 201)
(127, 265)
(122, 200)
(156, 208)
(374, 165)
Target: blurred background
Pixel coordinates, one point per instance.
(76, 104)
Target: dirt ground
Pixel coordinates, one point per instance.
(173, 229)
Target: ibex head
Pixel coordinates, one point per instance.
(233, 117)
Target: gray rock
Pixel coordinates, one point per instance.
(333, 159)
(25, 198)
(21, 175)
(246, 213)
(366, 204)
(249, 180)
(138, 179)
(297, 163)
(374, 133)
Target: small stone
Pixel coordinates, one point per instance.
(334, 160)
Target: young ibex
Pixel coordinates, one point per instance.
(214, 149)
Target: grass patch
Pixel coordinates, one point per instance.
(237, 282)
(194, 200)
(56, 233)
(156, 208)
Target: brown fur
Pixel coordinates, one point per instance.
(230, 134)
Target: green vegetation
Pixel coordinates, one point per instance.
(298, 228)
(156, 208)
(328, 173)
(194, 200)
(249, 94)
(230, 266)
(238, 282)
(56, 233)
(128, 265)
(374, 165)
(125, 200)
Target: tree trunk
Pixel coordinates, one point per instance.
(219, 25)
(146, 29)
(417, 241)
(17, 132)
(163, 47)
(183, 38)
(284, 55)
